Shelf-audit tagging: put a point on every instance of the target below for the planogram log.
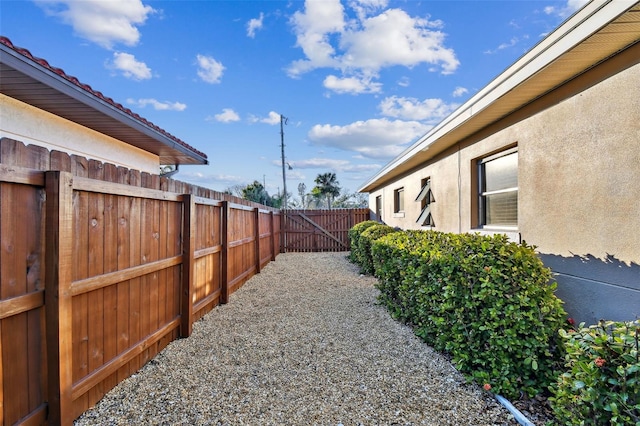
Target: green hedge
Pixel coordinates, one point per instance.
(602, 383)
(486, 301)
(365, 241)
(354, 239)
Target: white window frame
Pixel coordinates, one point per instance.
(482, 194)
(398, 202)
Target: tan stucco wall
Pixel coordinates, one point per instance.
(33, 126)
(578, 175)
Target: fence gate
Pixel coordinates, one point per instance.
(320, 230)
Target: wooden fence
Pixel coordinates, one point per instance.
(102, 267)
(320, 230)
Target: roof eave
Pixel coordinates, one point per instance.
(46, 76)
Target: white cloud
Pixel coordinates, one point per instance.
(313, 29)
(130, 66)
(460, 91)
(564, 12)
(157, 105)
(254, 24)
(103, 22)
(404, 82)
(367, 43)
(273, 118)
(395, 38)
(209, 70)
(428, 110)
(211, 179)
(227, 115)
(363, 8)
(511, 43)
(375, 138)
(353, 85)
(332, 164)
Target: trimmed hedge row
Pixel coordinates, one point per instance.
(484, 300)
(354, 233)
(367, 238)
(490, 304)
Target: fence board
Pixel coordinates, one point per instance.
(59, 265)
(123, 262)
(80, 326)
(110, 264)
(134, 260)
(95, 299)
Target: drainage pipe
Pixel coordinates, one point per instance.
(520, 418)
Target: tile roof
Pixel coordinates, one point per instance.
(96, 94)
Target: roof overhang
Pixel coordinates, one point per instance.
(34, 82)
(595, 33)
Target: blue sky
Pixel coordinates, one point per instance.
(358, 80)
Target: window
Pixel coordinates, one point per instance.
(426, 198)
(398, 200)
(379, 207)
(498, 189)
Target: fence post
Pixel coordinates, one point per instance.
(256, 218)
(58, 304)
(273, 235)
(224, 255)
(188, 265)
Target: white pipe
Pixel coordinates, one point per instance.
(520, 418)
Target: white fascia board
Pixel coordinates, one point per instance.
(592, 17)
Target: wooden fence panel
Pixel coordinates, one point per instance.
(320, 230)
(208, 257)
(22, 385)
(154, 325)
(265, 232)
(241, 244)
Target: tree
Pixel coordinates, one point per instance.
(255, 192)
(327, 186)
(351, 201)
(235, 190)
(301, 191)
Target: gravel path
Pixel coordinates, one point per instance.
(301, 343)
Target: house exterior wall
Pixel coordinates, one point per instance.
(578, 191)
(31, 125)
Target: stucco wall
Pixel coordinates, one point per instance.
(579, 192)
(31, 125)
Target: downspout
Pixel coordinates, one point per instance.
(459, 193)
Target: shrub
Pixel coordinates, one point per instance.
(354, 238)
(367, 237)
(602, 382)
(486, 301)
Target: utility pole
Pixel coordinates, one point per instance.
(283, 121)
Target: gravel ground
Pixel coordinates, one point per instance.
(301, 343)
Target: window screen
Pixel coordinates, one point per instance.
(499, 189)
